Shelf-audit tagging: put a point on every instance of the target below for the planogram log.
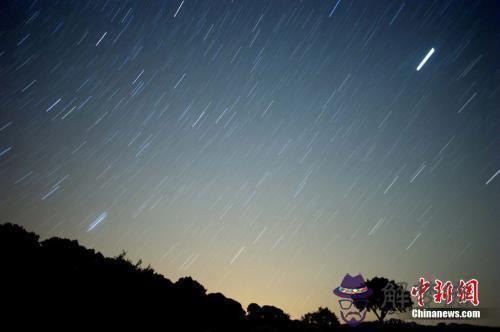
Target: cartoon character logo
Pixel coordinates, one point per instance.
(354, 294)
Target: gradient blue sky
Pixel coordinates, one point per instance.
(265, 148)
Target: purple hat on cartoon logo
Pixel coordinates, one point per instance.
(353, 289)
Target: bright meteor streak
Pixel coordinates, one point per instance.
(422, 63)
(97, 221)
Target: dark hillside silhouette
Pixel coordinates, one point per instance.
(59, 283)
(58, 278)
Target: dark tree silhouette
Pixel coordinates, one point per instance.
(62, 281)
(388, 297)
(57, 283)
(190, 287)
(267, 315)
(322, 318)
(253, 311)
(222, 311)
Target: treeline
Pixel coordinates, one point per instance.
(58, 282)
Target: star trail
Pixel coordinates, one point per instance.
(265, 148)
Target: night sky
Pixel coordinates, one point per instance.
(266, 148)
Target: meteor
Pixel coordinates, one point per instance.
(97, 221)
(422, 63)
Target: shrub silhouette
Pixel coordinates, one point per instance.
(322, 318)
(267, 315)
(223, 311)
